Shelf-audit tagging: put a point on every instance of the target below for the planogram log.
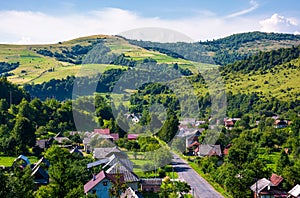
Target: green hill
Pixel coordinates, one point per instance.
(226, 50)
(40, 63)
(262, 63)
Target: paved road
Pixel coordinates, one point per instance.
(200, 187)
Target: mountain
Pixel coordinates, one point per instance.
(254, 62)
(226, 50)
(93, 54)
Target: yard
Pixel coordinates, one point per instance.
(7, 160)
(140, 160)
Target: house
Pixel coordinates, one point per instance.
(101, 153)
(40, 176)
(230, 122)
(21, 161)
(209, 150)
(100, 184)
(115, 159)
(295, 192)
(98, 163)
(187, 121)
(129, 193)
(193, 148)
(151, 185)
(280, 124)
(192, 137)
(276, 179)
(185, 131)
(226, 149)
(43, 144)
(76, 151)
(115, 136)
(130, 178)
(132, 136)
(95, 136)
(60, 138)
(134, 118)
(102, 131)
(264, 188)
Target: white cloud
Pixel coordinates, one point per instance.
(254, 6)
(38, 27)
(278, 23)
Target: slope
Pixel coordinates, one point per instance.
(40, 63)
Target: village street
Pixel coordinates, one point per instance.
(200, 187)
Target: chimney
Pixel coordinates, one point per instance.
(94, 177)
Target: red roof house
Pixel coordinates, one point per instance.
(115, 136)
(102, 131)
(100, 184)
(276, 179)
(132, 136)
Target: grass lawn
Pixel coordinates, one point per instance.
(140, 161)
(7, 160)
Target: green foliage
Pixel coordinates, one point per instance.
(64, 170)
(118, 187)
(263, 61)
(10, 91)
(62, 89)
(226, 50)
(160, 157)
(170, 189)
(24, 135)
(170, 128)
(18, 183)
(6, 67)
(282, 162)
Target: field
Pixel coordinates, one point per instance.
(74, 70)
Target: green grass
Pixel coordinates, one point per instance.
(140, 161)
(282, 83)
(75, 70)
(7, 160)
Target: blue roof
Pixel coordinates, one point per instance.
(97, 163)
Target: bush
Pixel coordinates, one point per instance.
(161, 173)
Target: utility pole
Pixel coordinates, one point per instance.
(193, 192)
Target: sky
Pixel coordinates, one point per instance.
(51, 21)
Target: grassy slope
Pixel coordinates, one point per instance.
(34, 67)
(282, 83)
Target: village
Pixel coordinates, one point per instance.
(114, 166)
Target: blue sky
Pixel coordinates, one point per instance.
(48, 21)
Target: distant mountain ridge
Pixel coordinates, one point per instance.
(226, 50)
